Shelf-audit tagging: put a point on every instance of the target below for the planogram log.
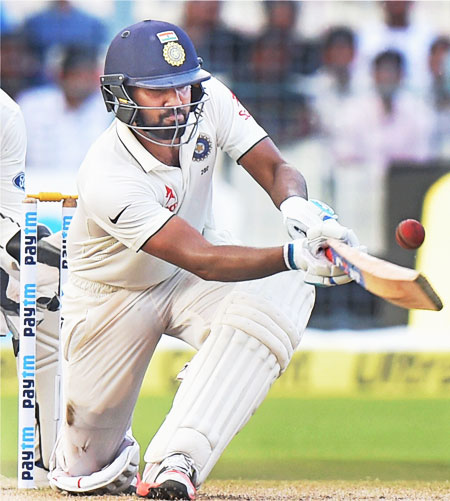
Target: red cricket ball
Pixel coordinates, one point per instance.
(410, 234)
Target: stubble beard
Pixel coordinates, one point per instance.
(164, 133)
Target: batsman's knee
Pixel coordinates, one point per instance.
(274, 310)
(258, 318)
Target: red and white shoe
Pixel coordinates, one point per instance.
(174, 479)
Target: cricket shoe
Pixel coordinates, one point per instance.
(174, 478)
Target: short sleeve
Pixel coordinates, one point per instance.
(237, 130)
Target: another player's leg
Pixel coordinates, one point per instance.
(254, 333)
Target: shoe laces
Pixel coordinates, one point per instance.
(179, 462)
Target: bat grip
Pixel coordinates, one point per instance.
(329, 254)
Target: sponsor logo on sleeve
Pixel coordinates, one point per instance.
(170, 199)
(19, 181)
(242, 112)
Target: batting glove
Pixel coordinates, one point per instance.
(299, 215)
(316, 221)
(319, 271)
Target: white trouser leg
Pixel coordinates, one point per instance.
(108, 341)
(253, 336)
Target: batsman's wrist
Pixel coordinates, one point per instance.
(292, 205)
(288, 254)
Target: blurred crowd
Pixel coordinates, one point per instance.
(342, 106)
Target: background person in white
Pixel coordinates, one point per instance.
(12, 192)
(146, 259)
(63, 119)
(12, 159)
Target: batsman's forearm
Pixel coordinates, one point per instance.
(287, 182)
(270, 170)
(179, 243)
(230, 263)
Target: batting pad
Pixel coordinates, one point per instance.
(251, 342)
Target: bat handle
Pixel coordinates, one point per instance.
(329, 254)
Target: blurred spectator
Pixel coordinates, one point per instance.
(387, 123)
(334, 82)
(62, 24)
(439, 52)
(338, 53)
(222, 49)
(19, 69)
(398, 32)
(439, 94)
(271, 85)
(270, 92)
(62, 120)
(281, 21)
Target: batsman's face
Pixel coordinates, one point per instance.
(172, 105)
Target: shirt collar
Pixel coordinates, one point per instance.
(144, 158)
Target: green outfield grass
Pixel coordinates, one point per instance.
(316, 439)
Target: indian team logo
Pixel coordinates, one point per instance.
(202, 148)
(19, 181)
(174, 54)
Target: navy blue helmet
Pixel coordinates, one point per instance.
(153, 55)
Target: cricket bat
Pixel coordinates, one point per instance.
(401, 286)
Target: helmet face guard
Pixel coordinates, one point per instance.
(154, 55)
(118, 100)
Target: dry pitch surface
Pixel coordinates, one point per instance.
(270, 491)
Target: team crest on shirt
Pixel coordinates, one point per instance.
(19, 181)
(202, 148)
(170, 199)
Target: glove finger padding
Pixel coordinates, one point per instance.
(319, 270)
(332, 229)
(320, 281)
(318, 235)
(318, 265)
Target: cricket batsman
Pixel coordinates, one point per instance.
(145, 259)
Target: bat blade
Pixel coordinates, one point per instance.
(401, 286)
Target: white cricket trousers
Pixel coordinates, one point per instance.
(109, 335)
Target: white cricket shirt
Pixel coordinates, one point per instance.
(12, 160)
(126, 195)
